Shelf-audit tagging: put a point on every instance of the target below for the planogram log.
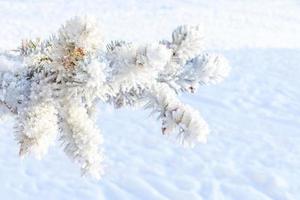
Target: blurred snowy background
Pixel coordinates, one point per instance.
(253, 151)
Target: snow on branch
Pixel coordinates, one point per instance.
(52, 87)
(177, 116)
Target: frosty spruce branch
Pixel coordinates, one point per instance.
(52, 87)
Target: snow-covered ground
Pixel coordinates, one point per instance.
(253, 151)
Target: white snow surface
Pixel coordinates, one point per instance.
(253, 151)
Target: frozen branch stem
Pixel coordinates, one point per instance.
(58, 82)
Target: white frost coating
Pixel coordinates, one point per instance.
(83, 32)
(177, 116)
(203, 70)
(139, 65)
(37, 129)
(81, 140)
(187, 42)
(211, 69)
(65, 76)
(157, 56)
